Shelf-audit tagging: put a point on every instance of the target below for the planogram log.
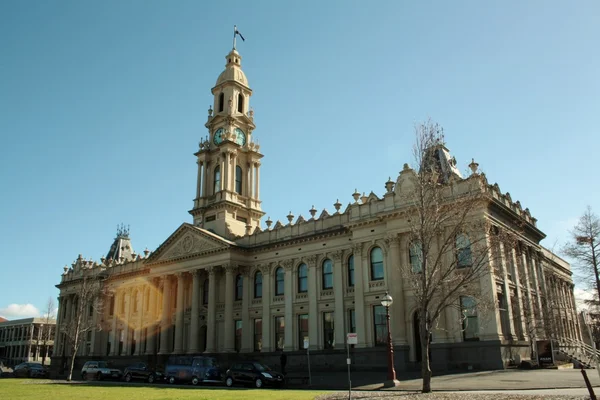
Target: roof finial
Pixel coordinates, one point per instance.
(235, 33)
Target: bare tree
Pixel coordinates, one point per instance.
(87, 301)
(46, 334)
(451, 242)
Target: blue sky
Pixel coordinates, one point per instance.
(102, 105)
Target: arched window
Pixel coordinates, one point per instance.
(221, 101)
(258, 285)
(415, 254)
(327, 274)
(279, 282)
(376, 264)
(205, 292)
(238, 179)
(302, 278)
(464, 258)
(239, 286)
(241, 103)
(217, 179)
(351, 271)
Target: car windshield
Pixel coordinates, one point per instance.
(36, 366)
(260, 367)
(102, 364)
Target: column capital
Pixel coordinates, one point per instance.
(230, 268)
(311, 260)
(357, 248)
(392, 239)
(288, 264)
(212, 270)
(266, 269)
(337, 255)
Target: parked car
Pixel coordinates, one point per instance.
(30, 370)
(252, 373)
(193, 369)
(141, 371)
(5, 370)
(99, 370)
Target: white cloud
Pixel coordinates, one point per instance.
(16, 311)
(580, 296)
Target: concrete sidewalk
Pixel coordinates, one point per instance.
(483, 380)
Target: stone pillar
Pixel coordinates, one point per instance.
(57, 335)
(226, 171)
(233, 164)
(179, 315)
(289, 310)
(257, 180)
(195, 314)
(211, 319)
(517, 281)
(313, 311)
(93, 335)
(166, 314)
(140, 320)
(229, 297)
(267, 342)
(113, 332)
(199, 181)
(507, 292)
(249, 180)
(529, 295)
(205, 187)
(395, 284)
(128, 311)
(151, 316)
(491, 321)
(338, 293)
(360, 263)
(247, 326)
(64, 345)
(222, 183)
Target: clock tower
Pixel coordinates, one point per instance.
(227, 196)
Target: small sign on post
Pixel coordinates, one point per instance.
(306, 342)
(352, 338)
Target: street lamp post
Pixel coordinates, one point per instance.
(391, 378)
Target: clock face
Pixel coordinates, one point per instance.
(240, 137)
(218, 136)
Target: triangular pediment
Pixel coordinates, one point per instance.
(188, 241)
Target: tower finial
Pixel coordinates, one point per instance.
(235, 33)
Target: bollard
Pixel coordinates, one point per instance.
(588, 384)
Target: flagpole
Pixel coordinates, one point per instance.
(234, 35)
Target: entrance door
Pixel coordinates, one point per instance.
(417, 334)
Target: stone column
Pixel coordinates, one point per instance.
(93, 335)
(57, 334)
(257, 180)
(65, 346)
(266, 305)
(151, 330)
(199, 182)
(211, 319)
(128, 307)
(249, 180)
(226, 161)
(113, 332)
(289, 310)
(233, 164)
(247, 328)
(507, 292)
(491, 321)
(338, 293)
(166, 313)
(205, 187)
(229, 297)
(195, 314)
(140, 321)
(222, 161)
(519, 292)
(395, 284)
(360, 263)
(179, 315)
(313, 312)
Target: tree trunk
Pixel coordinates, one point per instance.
(45, 351)
(72, 364)
(425, 366)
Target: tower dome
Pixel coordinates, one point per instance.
(233, 70)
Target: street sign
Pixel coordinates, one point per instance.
(306, 342)
(352, 338)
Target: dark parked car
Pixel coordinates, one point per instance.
(141, 371)
(252, 373)
(193, 369)
(30, 370)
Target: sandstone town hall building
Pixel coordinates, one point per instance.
(231, 284)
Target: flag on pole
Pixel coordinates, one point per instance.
(238, 33)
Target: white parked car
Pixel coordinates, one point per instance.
(99, 370)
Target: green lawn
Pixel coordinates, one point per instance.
(35, 389)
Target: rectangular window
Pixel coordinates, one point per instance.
(470, 321)
(302, 330)
(258, 334)
(328, 331)
(111, 310)
(380, 325)
(279, 333)
(238, 335)
(351, 321)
